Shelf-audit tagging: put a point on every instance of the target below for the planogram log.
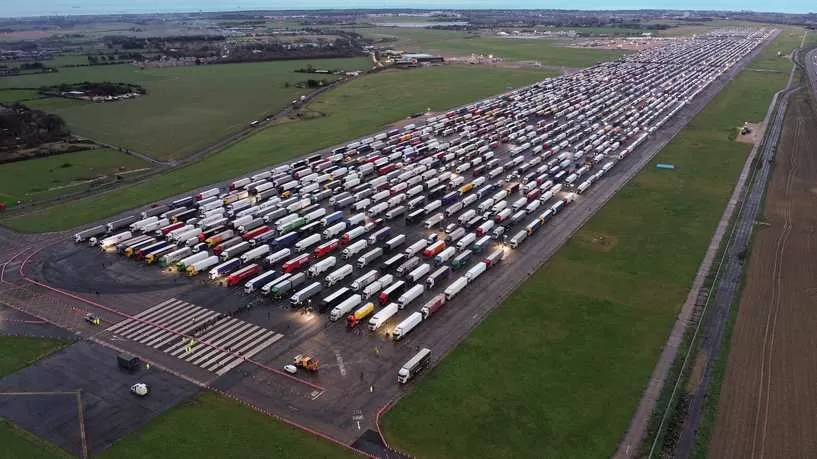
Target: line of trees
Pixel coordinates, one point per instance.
(22, 127)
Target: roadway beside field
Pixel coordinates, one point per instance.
(765, 404)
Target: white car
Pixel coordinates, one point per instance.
(291, 369)
(140, 389)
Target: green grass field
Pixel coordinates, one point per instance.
(788, 40)
(18, 443)
(212, 426)
(548, 52)
(186, 108)
(68, 59)
(42, 178)
(354, 109)
(558, 368)
(18, 352)
(15, 95)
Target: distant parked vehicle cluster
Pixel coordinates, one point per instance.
(415, 216)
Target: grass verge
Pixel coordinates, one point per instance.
(43, 178)
(19, 443)
(557, 370)
(20, 351)
(354, 109)
(213, 426)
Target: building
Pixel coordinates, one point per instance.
(414, 60)
(422, 58)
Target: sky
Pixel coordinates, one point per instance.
(16, 8)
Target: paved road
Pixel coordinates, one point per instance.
(731, 273)
(45, 398)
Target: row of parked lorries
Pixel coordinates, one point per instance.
(383, 223)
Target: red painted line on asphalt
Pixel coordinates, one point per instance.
(20, 321)
(159, 326)
(23, 264)
(294, 424)
(3, 269)
(383, 409)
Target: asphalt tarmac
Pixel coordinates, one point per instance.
(45, 397)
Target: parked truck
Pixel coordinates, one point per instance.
(279, 255)
(432, 306)
(321, 267)
(266, 288)
(354, 248)
(377, 285)
(296, 263)
(224, 268)
(235, 250)
(280, 289)
(360, 313)
(255, 253)
(333, 299)
(339, 274)
(383, 316)
(410, 295)
(345, 307)
(110, 242)
(395, 242)
(417, 273)
(326, 248)
(518, 238)
(174, 256)
(364, 280)
(302, 296)
(201, 265)
(415, 365)
(438, 276)
(416, 247)
(434, 249)
(455, 287)
(259, 281)
(407, 325)
(369, 256)
(392, 292)
(243, 274)
(121, 223)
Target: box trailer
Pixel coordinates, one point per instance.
(345, 307)
(383, 316)
(407, 325)
(414, 366)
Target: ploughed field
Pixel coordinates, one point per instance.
(443, 210)
(767, 402)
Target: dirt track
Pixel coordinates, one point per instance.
(768, 404)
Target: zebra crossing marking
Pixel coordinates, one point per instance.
(166, 326)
